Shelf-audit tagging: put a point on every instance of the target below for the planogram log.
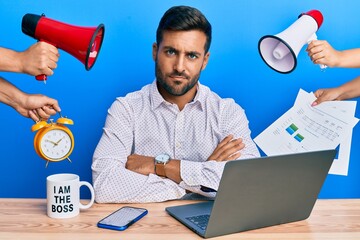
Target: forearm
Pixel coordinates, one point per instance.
(350, 89)
(193, 176)
(115, 184)
(198, 174)
(9, 94)
(195, 173)
(10, 60)
(172, 170)
(349, 58)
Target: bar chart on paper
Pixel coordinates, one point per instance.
(292, 129)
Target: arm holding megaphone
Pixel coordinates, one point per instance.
(321, 52)
(39, 58)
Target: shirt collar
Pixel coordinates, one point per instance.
(157, 99)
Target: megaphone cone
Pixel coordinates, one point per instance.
(280, 51)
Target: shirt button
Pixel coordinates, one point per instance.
(178, 145)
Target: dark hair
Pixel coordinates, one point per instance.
(184, 18)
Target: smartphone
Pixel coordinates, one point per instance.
(122, 218)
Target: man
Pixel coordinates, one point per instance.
(321, 52)
(38, 59)
(189, 130)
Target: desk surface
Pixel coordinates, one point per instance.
(27, 219)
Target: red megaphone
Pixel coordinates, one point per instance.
(84, 43)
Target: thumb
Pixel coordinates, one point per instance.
(318, 101)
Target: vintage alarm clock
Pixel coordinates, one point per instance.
(53, 141)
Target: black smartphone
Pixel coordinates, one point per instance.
(122, 218)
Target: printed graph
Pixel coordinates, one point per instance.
(292, 129)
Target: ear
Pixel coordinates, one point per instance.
(154, 51)
(205, 62)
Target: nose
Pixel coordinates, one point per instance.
(179, 64)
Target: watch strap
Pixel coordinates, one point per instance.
(160, 169)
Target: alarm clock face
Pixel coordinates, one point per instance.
(56, 144)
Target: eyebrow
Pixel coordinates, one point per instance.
(177, 51)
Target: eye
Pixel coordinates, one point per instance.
(192, 56)
(170, 52)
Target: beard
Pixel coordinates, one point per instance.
(177, 88)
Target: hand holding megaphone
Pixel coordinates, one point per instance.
(321, 52)
(83, 43)
(312, 38)
(39, 58)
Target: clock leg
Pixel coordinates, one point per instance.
(47, 163)
(69, 160)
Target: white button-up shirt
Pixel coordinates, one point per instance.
(144, 123)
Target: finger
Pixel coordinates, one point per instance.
(234, 156)
(227, 139)
(318, 57)
(313, 104)
(230, 154)
(318, 93)
(315, 50)
(48, 109)
(321, 97)
(318, 42)
(44, 69)
(55, 51)
(310, 46)
(49, 63)
(230, 149)
(313, 43)
(52, 64)
(54, 104)
(320, 61)
(48, 71)
(234, 150)
(220, 148)
(42, 114)
(220, 151)
(224, 142)
(49, 47)
(33, 115)
(318, 101)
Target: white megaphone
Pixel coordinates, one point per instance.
(279, 52)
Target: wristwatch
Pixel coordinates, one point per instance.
(160, 162)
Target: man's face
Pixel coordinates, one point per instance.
(179, 59)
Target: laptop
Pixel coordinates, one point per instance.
(259, 192)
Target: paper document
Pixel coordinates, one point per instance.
(305, 128)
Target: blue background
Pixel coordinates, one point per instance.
(125, 64)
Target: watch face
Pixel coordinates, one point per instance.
(162, 158)
(55, 144)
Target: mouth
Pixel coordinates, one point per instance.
(178, 78)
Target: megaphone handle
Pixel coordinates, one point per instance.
(314, 37)
(41, 77)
